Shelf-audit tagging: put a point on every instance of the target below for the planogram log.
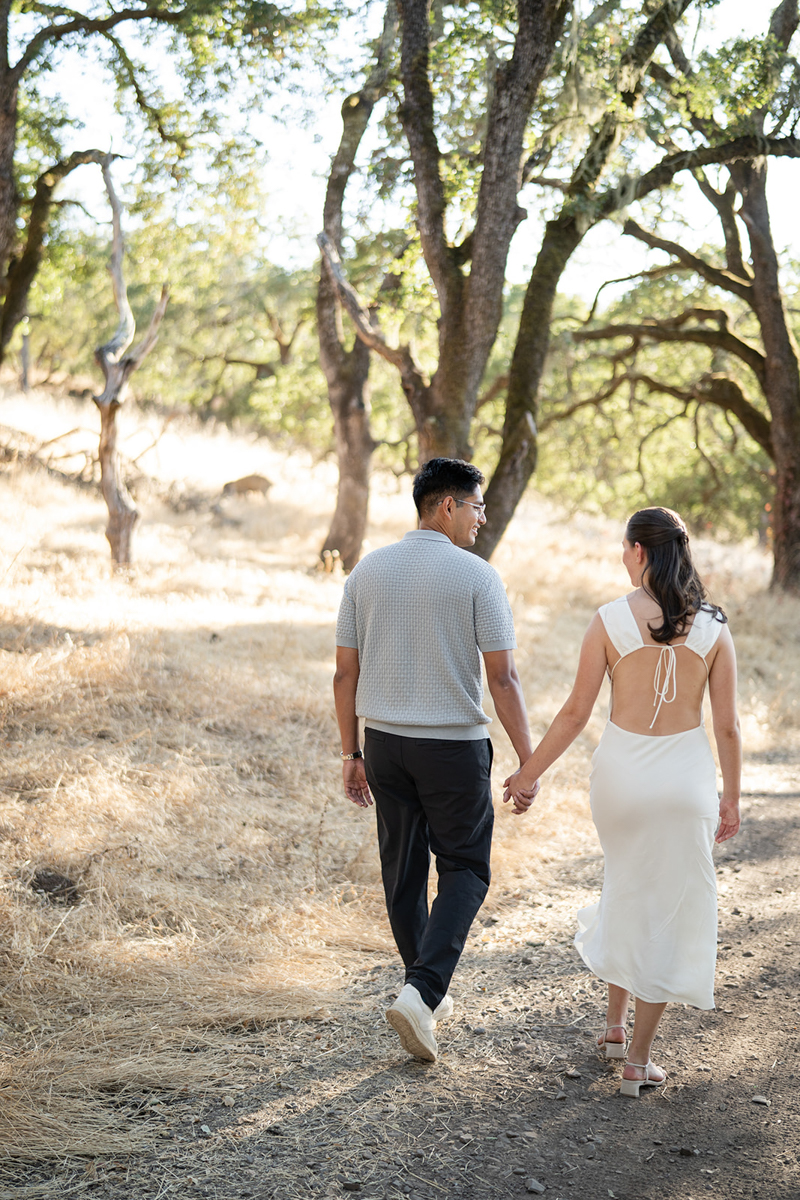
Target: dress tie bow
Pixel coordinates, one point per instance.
(664, 679)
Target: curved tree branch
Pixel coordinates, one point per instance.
(747, 147)
(723, 202)
(149, 110)
(112, 350)
(79, 23)
(673, 330)
(23, 272)
(734, 284)
(400, 357)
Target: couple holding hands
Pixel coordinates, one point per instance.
(414, 622)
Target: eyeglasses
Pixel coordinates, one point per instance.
(479, 508)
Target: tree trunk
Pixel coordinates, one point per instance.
(122, 512)
(8, 191)
(519, 450)
(781, 381)
(347, 371)
(470, 304)
(117, 368)
(354, 446)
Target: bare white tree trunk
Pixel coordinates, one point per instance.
(117, 368)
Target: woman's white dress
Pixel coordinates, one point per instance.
(655, 805)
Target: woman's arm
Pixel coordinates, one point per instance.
(569, 721)
(727, 734)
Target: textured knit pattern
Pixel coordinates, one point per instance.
(419, 613)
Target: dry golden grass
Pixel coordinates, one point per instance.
(169, 746)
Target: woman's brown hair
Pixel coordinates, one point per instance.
(672, 579)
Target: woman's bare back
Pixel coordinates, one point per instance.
(641, 677)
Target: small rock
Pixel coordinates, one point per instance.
(762, 1100)
(744, 1016)
(685, 1152)
(351, 1185)
(747, 954)
(511, 1133)
(533, 1185)
(204, 1129)
(519, 1171)
(561, 1095)
(722, 1107)
(228, 1101)
(572, 1073)
(674, 1149)
(465, 1138)
(479, 1029)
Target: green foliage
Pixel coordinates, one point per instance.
(219, 346)
(184, 75)
(640, 447)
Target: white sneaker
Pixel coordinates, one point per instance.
(444, 1009)
(413, 1022)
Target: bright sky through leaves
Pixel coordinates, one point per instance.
(299, 152)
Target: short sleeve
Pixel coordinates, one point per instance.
(346, 630)
(494, 622)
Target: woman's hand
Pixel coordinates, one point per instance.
(520, 791)
(729, 819)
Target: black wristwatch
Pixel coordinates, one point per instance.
(349, 757)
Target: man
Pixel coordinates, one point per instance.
(414, 620)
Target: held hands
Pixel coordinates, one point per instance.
(520, 791)
(356, 787)
(728, 819)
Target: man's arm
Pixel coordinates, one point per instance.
(345, 682)
(509, 703)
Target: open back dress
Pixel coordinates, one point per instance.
(656, 808)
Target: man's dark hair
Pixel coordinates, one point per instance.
(441, 477)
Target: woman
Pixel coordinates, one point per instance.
(654, 799)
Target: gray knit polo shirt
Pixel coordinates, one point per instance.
(419, 613)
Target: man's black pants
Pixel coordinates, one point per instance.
(431, 795)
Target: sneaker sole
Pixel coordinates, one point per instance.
(409, 1038)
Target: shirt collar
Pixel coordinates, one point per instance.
(428, 535)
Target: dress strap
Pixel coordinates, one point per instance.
(620, 625)
(664, 679)
(704, 632)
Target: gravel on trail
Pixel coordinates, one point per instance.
(519, 1103)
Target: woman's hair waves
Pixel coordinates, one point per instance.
(672, 578)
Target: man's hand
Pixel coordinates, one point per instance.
(523, 795)
(356, 787)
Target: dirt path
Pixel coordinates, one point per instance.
(519, 1103)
